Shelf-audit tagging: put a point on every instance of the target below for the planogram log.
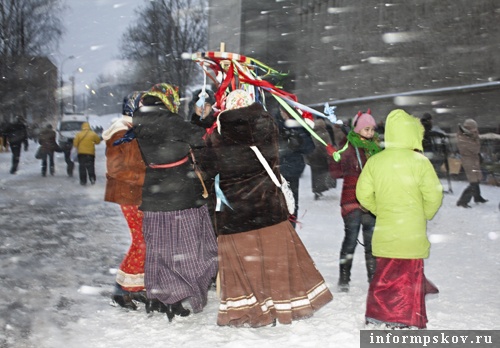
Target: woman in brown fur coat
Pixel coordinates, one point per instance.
(125, 172)
(266, 273)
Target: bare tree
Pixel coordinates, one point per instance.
(165, 29)
(28, 29)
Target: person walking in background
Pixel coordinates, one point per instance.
(318, 160)
(66, 147)
(181, 247)
(294, 143)
(85, 142)
(3, 140)
(16, 135)
(125, 172)
(48, 145)
(434, 144)
(266, 273)
(469, 147)
(360, 144)
(399, 186)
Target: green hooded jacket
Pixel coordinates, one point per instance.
(399, 186)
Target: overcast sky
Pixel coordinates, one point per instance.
(93, 34)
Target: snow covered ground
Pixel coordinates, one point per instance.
(61, 244)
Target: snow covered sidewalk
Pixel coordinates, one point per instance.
(61, 244)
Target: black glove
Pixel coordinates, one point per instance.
(26, 147)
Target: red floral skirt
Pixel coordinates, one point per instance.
(397, 292)
(131, 273)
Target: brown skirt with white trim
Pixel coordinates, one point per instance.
(267, 274)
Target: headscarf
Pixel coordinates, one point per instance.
(131, 103)
(168, 94)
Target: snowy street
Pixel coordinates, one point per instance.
(61, 244)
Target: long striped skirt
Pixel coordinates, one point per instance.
(130, 276)
(396, 296)
(181, 256)
(267, 274)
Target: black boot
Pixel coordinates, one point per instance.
(466, 196)
(152, 305)
(176, 309)
(477, 193)
(139, 296)
(345, 274)
(371, 264)
(125, 301)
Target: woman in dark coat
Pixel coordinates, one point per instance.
(48, 144)
(294, 143)
(318, 160)
(181, 249)
(266, 273)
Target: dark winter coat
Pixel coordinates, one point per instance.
(294, 143)
(206, 122)
(125, 169)
(319, 157)
(256, 202)
(16, 134)
(165, 138)
(47, 141)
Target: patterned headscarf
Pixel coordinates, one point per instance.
(168, 94)
(131, 103)
(238, 99)
(235, 100)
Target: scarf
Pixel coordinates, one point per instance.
(370, 146)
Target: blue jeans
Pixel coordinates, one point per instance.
(352, 223)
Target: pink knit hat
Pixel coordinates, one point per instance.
(362, 120)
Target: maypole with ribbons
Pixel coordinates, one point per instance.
(231, 71)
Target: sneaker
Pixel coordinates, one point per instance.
(92, 181)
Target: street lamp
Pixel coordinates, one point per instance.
(72, 78)
(61, 85)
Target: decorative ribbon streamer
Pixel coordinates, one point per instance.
(221, 199)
